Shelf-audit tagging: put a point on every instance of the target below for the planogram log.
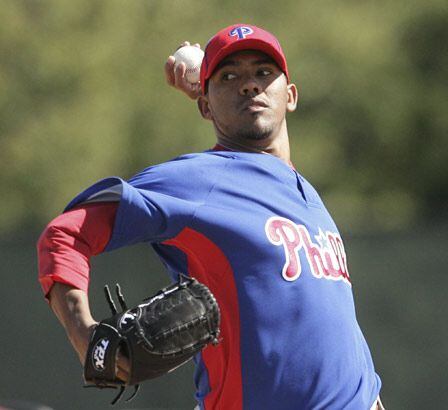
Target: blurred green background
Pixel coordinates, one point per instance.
(83, 96)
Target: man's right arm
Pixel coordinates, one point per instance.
(64, 251)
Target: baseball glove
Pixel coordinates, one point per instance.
(160, 334)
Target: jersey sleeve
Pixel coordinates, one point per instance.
(69, 241)
(153, 206)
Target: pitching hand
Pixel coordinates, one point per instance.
(176, 76)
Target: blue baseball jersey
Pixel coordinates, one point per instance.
(257, 234)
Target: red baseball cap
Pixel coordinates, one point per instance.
(240, 37)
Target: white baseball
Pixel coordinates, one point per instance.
(192, 57)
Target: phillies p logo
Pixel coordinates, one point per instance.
(241, 32)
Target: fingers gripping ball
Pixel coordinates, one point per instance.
(160, 334)
(192, 57)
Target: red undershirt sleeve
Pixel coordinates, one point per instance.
(69, 241)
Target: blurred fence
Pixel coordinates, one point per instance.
(83, 96)
(400, 284)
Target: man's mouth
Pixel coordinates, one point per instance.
(253, 105)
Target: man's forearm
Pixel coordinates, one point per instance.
(71, 306)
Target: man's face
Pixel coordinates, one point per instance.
(248, 97)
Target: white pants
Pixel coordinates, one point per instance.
(377, 405)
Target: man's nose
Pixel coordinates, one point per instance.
(250, 86)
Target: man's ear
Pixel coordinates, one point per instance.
(204, 108)
(293, 98)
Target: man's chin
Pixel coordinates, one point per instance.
(256, 137)
(255, 134)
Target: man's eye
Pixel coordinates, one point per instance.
(228, 76)
(264, 72)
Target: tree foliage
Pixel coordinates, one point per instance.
(83, 97)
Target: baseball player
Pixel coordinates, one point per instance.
(243, 221)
